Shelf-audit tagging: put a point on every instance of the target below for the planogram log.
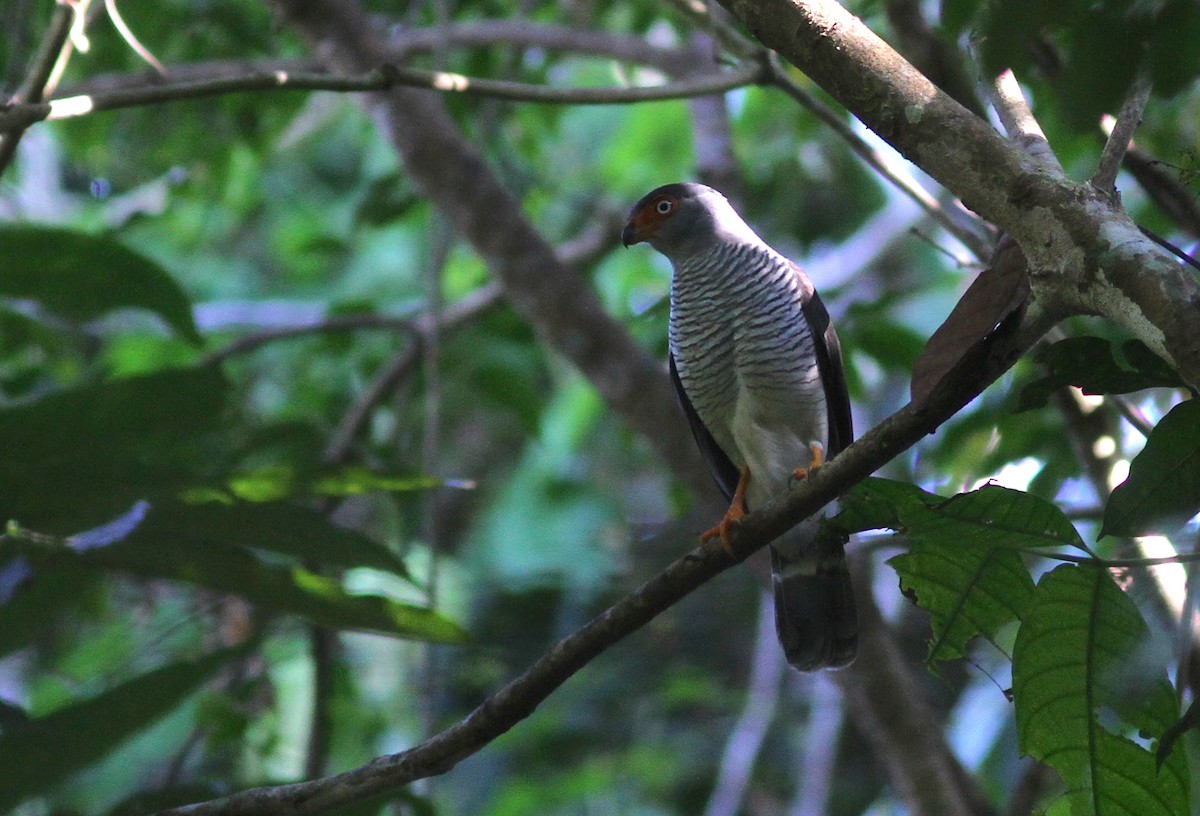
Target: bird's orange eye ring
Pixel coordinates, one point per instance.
(664, 206)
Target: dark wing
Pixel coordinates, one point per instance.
(829, 366)
(723, 470)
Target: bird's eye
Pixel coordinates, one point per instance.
(664, 206)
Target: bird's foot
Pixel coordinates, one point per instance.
(818, 458)
(737, 509)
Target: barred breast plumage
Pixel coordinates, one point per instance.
(758, 372)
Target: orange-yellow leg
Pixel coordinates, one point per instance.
(737, 509)
(818, 458)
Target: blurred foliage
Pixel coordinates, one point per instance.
(178, 526)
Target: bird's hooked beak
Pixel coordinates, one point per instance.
(637, 230)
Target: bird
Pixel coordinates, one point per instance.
(757, 369)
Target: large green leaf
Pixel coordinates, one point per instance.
(1163, 488)
(876, 504)
(964, 566)
(78, 457)
(46, 750)
(293, 590)
(993, 516)
(1085, 685)
(968, 590)
(1091, 364)
(81, 276)
(279, 527)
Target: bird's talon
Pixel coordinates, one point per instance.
(737, 509)
(817, 451)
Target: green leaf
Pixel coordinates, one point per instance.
(968, 590)
(994, 516)
(964, 566)
(876, 504)
(1081, 655)
(287, 529)
(1091, 364)
(79, 457)
(293, 590)
(42, 601)
(48, 749)
(276, 482)
(81, 276)
(1163, 488)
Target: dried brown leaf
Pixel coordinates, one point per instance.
(996, 293)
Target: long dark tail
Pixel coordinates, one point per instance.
(814, 603)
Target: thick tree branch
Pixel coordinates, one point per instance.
(1086, 256)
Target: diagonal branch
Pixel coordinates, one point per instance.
(32, 88)
(1086, 256)
(1128, 119)
(517, 700)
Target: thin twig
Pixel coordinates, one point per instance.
(1129, 117)
(31, 89)
(381, 79)
(1117, 563)
(1018, 120)
(330, 325)
(453, 315)
(114, 15)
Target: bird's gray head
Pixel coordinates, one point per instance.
(681, 219)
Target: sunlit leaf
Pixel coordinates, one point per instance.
(281, 482)
(1163, 488)
(1086, 684)
(47, 749)
(294, 590)
(81, 276)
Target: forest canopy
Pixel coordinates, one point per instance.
(339, 461)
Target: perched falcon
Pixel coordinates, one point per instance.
(758, 370)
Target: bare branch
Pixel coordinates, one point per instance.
(385, 381)
(1128, 119)
(1009, 102)
(39, 74)
(518, 699)
(384, 78)
(330, 325)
